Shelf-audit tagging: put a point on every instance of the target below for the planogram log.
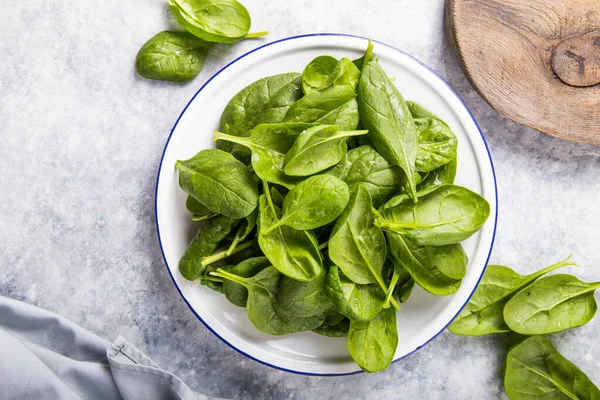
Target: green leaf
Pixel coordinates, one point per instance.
(317, 149)
(437, 144)
(357, 302)
(210, 234)
(293, 252)
(312, 203)
(338, 330)
(364, 165)
(269, 144)
(447, 214)
(219, 21)
(484, 312)
(356, 245)
(385, 115)
(260, 306)
(171, 56)
(425, 264)
(551, 304)
(303, 299)
(220, 182)
(373, 344)
(238, 294)
(317, 72)
(265, 101)
(536, 370)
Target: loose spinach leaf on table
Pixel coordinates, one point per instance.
(386, 116)
(219, 21)
(220, 182)
(437, 144)
(372, 344)
(293, 252)
(364, 165)
(269, 144)
(312, 203)
(317, 149)
(426, 264)
(234, 292)
(484, 312)
(172, 56)
(317, 72)
(303, 299)
(447, 214)
(357, 302)
(265, 101)
(536, 370)
(210, 234)
(260, 306)
(551, 304)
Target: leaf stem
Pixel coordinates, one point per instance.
(230, 277)
(391, 287)
(223, 254)
(323, 245)
(254, 35)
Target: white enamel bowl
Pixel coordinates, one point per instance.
(425, 315)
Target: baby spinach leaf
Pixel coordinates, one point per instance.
(386, 116)
(426, 264)
(356, 245)
(418, 111)
(316, 73)
(338, 330)
(364, 165)
(372, 344)
(551, 304)
(262, 289)
(317, 149)
(357, 302)
(210, 234)
(238, 294)
(269, 144)
(440, 176)
(484, 312)
(172, 56)
(312, 203)
(446, 215)
(220, 21)
(334, 103)
(199, 211)
(220, 182)
(332, 317)
(293, 252)
(265, 101)
(303, 299)
(437, 144)
(536, 370)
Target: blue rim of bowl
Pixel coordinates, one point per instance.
(223, 69)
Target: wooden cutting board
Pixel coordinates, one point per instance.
(537, 62)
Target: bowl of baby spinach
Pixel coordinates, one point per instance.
(326, 204)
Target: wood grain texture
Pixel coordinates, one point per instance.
(506, 49)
